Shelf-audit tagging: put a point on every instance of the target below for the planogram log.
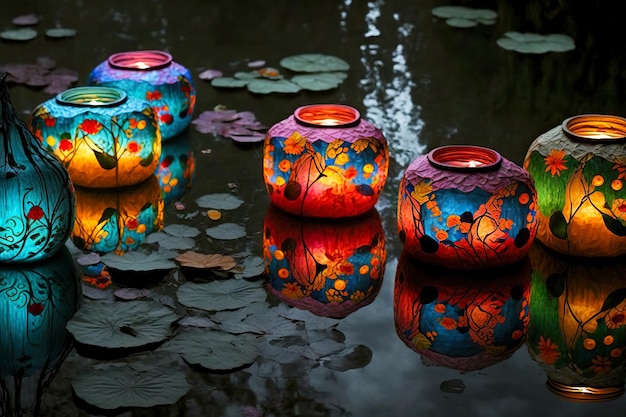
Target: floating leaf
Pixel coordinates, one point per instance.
(229, 82)
(60, 33)
(220, 295)
(350, 358)
(226, 231)
(181, 230)
(131, 293)
(452, 386)
(532, 43)
(26, 20)
(121, 325)
(213, 350)
(462, 23)
(314, 63)
(19, 35)
(261, 86)
(167, 241)
(267, 323)
(252, 266)
(196, 321)
(200, 260)
(116, 387)
(247, 75)
(460, 12)
(256, 64)
(89, 259)
(214, 214)
(230, 123)
(138, 261)
(210, 74)
(320, 81)
(219, 201)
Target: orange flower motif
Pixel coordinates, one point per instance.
(440, 308)
(294, 145)
(90, 126)
(615, 319)
(65, 145)
(441, 235)
(620, 166)
(284, 165)
(548, 350)
(600, 364)
(292, 291)
(133, 147)
(448, 323)
(555, 162)
(421, 192)
(453, 220)
(154, 95)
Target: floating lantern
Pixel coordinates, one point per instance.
(466, 207)
(579, 169)
(325, 161)
(176, 169)
(327, 267)
(36, 302)
(117, 220)
(104, 138)
(461, 320)
(578, 328)
(154, 77)
(36, 197)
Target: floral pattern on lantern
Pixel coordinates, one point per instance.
(104, 138)
(578, 328)
(117, 220)
(466, 207)
(154, 77)
(326, 267)
(177, 168)
(579, 170)
(36, 302)
(325, 161)
(36, 195)
(461, 320)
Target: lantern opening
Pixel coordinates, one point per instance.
(140, 60)
(595, 128)
(464, 158)
(582, 393)
(327, 115)
(92, 97)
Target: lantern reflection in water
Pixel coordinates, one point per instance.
(117, 220)
(177, 167)
(461, 320)
(36, 302)
(578, 327)
(327, 267)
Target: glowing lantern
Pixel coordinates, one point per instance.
(154, 77)
(176, 169)
(36, 302)
(579, 169)
(466, 207)
(104, 138)
(117, 220)
(461, 320)
(577, 331)
(329, 268)
(325, 161)
(36, 197)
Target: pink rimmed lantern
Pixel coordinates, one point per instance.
(152, 76)
(464, 206)
(325, 161)
(579, 170)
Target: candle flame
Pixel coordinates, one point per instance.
(474, 164)
(141, 65)
(329, 122)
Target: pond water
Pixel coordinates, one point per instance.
(424, 83)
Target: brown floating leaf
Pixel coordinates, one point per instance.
(200, 260)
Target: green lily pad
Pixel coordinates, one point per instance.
(252, 266)
(138, 261)
(214, 350)
(117, 387)
(461, 23)
(229, 82)
(460, 12)
(263, 86)
(167, 241)
(220, 295)
(129, 324)
(181, 230)
(350, 358)
(320, 81)
(219, 201)
(19, 35)
(60, 33)
(226, 231)
(533, 43)
(247, 75)
(314, 63)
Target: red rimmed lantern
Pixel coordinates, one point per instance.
(579, 170)
(325, 161)
(464, 206)
(328, 267)
(462, 320)
(154, 77)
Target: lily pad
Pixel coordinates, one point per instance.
(350, 358)
(263, 86)
(247, 75)
(462, 23)
(314, 63)
(228, 82)
(252, 266)
(129, 324)
(460, 12)
(60, 33)
(452, 386)
(219, 201)
(210, 74)
(26, 20)
(533, 43)
(167, 241)
(200, 260)
(226, 231)
(117, 387)
(181, 230)
(138, 261)
(320, 81)
(19, 35)
(220, 295)
(213, 350)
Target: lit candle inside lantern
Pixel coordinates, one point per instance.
(328, 115)
(594, 126)
(141, 65)
(464, 157)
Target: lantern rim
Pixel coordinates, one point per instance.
(583, 393)
(148, 60)
(596, 128)
(464, 158)
(92, 96)
(327, 115)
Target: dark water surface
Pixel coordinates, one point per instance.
(425, 84)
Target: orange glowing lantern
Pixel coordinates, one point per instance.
(325, 161)
(327, 267)
(579, 169)
(577, 331)
(464, 207)
(117, 220)
(461, 320)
